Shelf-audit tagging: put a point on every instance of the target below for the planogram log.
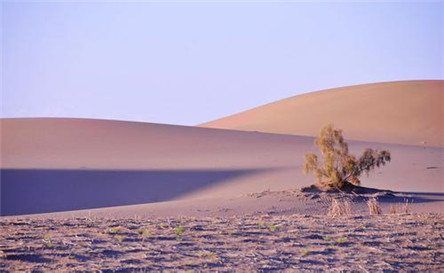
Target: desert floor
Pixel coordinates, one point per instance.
(391, 242)
(86, 194)
(277, 237)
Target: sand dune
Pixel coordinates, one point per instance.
(50, 165)
(405, 112)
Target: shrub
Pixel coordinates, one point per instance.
(339, 166)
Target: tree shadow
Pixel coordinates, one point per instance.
(27, 191)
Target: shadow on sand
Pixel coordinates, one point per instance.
(40, 191)
(361, 194)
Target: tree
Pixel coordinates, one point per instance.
(339, 166)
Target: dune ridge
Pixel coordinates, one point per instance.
(403, 112)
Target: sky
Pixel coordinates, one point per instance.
(191, 62)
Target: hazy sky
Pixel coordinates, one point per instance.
(187, 63)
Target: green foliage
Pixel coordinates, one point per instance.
(179, 231)
(115, 230)
(339, 166)
(341, 240)
(326, 237)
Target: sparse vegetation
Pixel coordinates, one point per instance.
(326, 237)
(373, 206)
(225, 244)
(206, 254)
(339, 166)
(339, 208)
(144, 232)
(179, 232)
(120, 238)
(341, 240)
(114, 230)
(400, 208)
(274, 228)
(47, 240)
(262, 224)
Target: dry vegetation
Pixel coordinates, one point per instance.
(257, 242)
(339, 168)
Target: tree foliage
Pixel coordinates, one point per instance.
(339, 166)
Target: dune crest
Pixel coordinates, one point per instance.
(404, 112)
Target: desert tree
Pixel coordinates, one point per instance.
(338, 165)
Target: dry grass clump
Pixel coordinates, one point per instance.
(400, 208)
(373, 206)
(339, 208)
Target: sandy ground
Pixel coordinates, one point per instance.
(80, 194)
(403, 242)
(403, 112)
(51, 165)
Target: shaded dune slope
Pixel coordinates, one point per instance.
(405, 112)
(50, 165)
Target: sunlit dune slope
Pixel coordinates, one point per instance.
(404, 112)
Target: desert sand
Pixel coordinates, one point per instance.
(403, 112)
(291, 243)
(51, 165)
(82, 177)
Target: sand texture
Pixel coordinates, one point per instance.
(405, 112)
(119, 196)
(52, 165)
(256, 242)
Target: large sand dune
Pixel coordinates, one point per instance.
(50, 165)
(405, 112)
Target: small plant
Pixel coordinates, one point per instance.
(120, 238)
(373, 206)
(326, 237)
(274, 228)
(407, 206)
(144, 232)
(179, 231)
(339, 208)
(339, 166)
(394, 209)
(47, 240)
(206, 254)
(341, 240)
(400, 208)
(114, 230)
(262, 224)
(305, 252)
